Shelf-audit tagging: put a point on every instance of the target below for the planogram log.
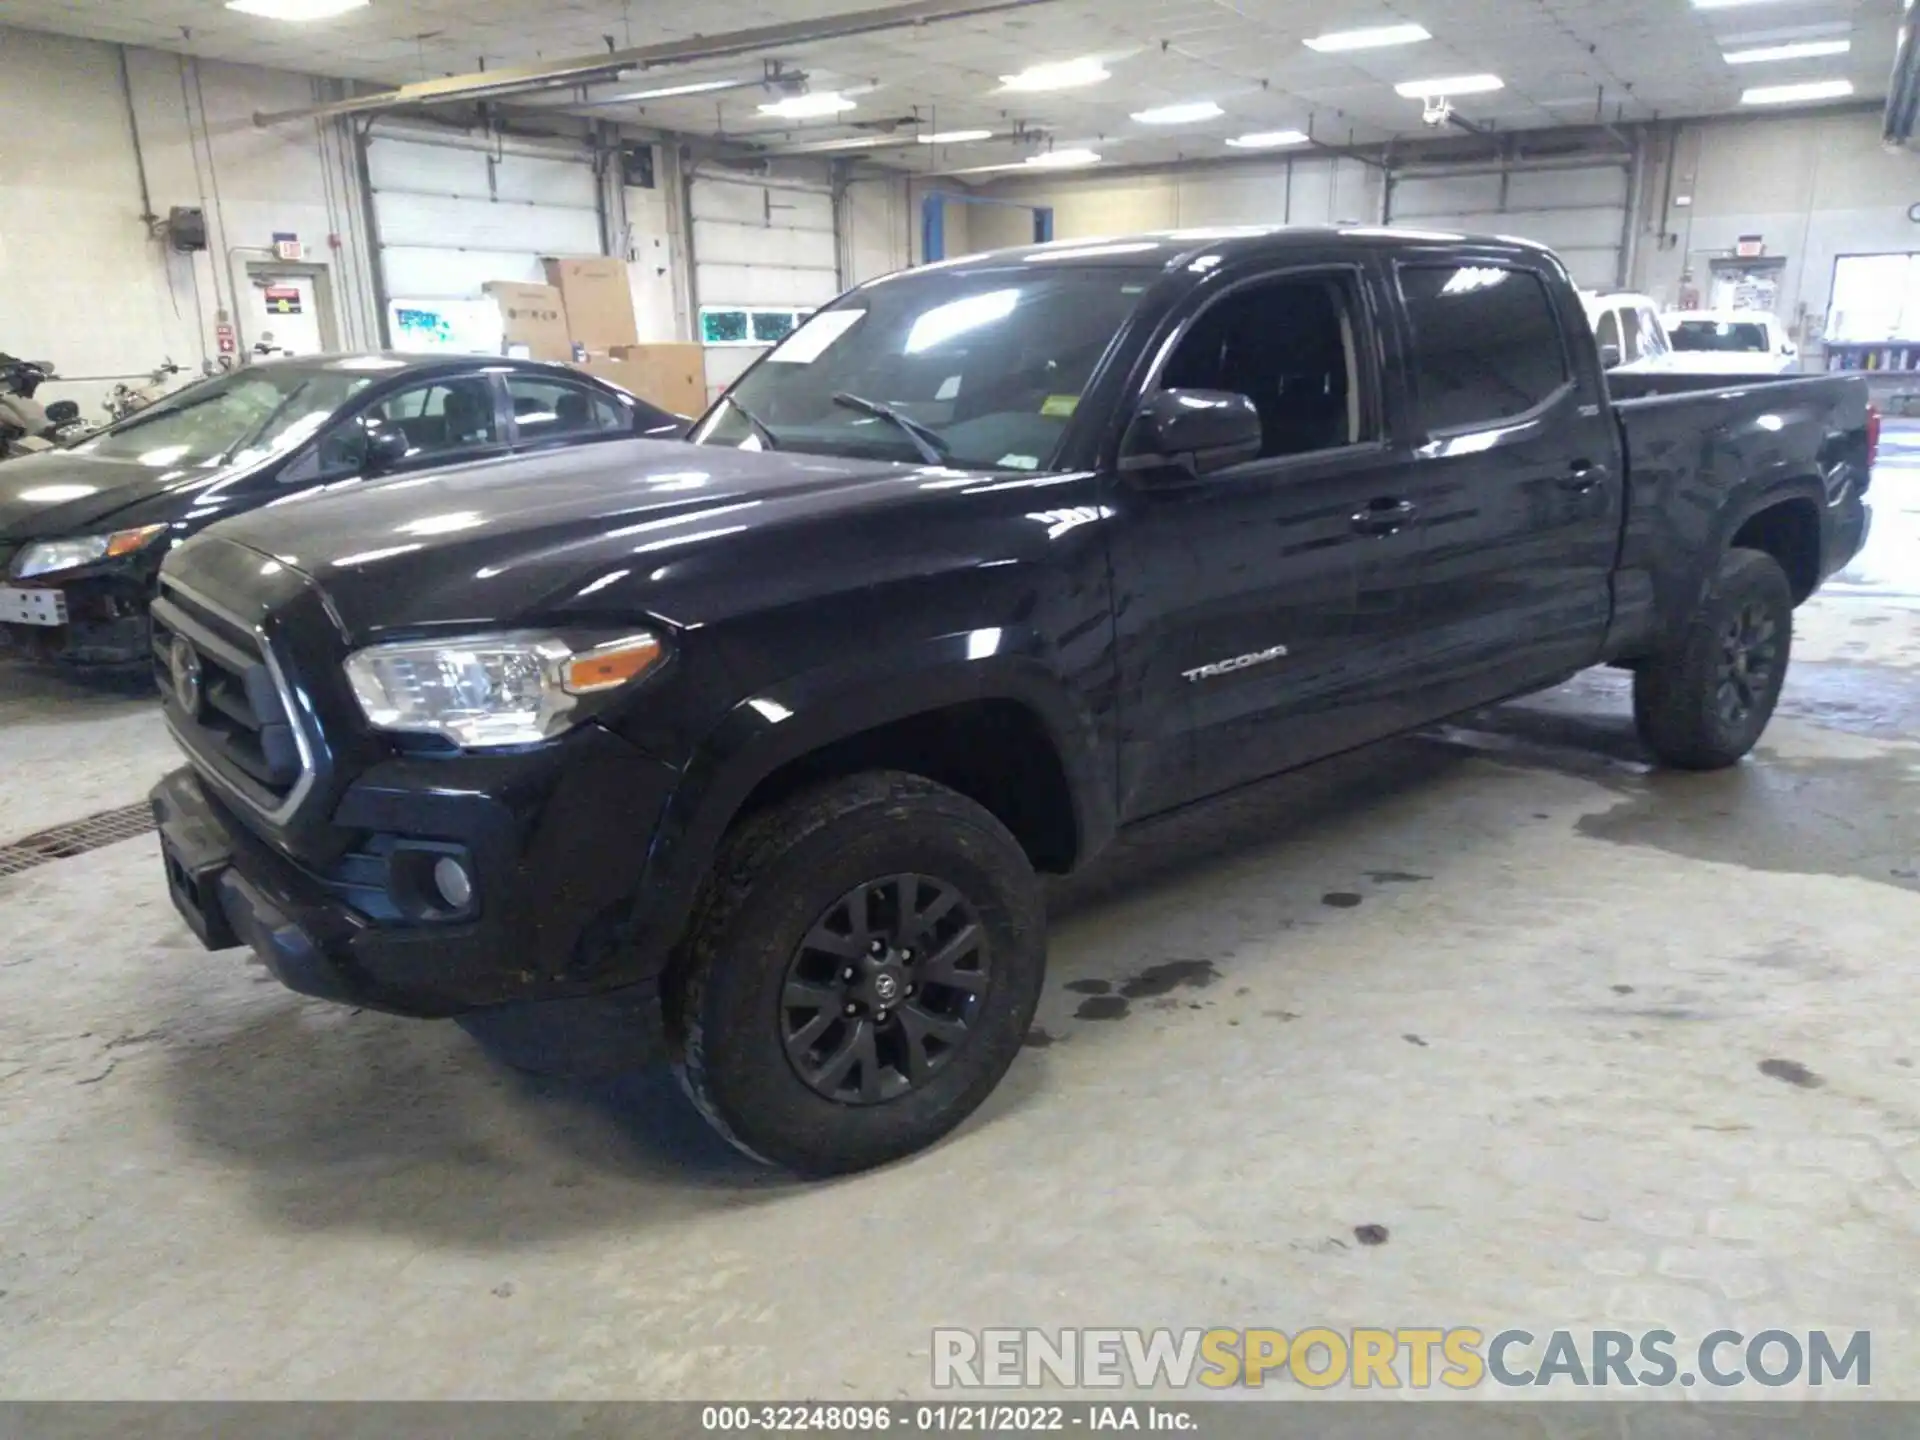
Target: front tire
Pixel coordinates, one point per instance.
(1703, 704)
(859, 974)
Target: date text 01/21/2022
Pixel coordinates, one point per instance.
(980, 1419)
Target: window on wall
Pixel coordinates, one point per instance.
(1486, 344)
(1875, 298)
(748, 324)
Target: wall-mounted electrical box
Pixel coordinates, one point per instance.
(186, 228)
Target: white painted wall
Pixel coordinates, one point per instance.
(84, 284)
(1813, 186)
(1300, 190)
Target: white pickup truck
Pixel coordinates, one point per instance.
(1628, 330)
(1730, 342)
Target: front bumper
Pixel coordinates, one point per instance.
(106, 620)
(555, 852)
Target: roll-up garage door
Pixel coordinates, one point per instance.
(454, 213)
(1581, 211)
(759, 249)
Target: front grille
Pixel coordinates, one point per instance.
(223, 698)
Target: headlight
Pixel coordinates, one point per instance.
(492, 689)
(50, 556)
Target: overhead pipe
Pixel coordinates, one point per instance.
(1903, 89)
(493, 84)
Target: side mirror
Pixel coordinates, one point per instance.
(1198, 430)
(1609, 356)
(387, 446)
(62, 412)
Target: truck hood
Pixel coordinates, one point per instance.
(64, 492)
(492, 543)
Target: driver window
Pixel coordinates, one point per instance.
(1289, 346)
(1607, 333)
(1653, 339)
(1630, 332)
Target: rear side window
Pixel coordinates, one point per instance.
(1486, 346)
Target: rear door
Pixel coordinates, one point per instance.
(1516, 474)
(1262, 609)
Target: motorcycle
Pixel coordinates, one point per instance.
(26, 426)
(124, 400)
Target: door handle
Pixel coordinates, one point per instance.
(1583, 478)
(1384, 517)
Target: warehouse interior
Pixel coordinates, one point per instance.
(1497, 1024)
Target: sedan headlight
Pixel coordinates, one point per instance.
(51, 556)
(489, 690)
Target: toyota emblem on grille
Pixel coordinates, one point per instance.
(184, 661)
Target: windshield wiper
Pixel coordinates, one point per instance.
(931, 444)
(756, 424)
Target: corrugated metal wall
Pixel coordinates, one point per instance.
(759, 243)
(454, 212)
(1579, 209)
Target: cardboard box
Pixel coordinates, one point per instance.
(598, 297)
(674, 377)
(533, 316)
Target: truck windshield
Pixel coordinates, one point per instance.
(244, 415)
(981, 369)
(1718, 335)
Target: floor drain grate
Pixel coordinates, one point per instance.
(63, 842)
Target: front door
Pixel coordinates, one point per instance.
(1262, 610)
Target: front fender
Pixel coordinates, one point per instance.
(803, 713)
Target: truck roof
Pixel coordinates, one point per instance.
(1231, 242)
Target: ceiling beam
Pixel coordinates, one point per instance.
(492, 84)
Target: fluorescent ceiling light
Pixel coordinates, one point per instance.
(1269, 139)
(1372, 37)
(1449, 85)
(1059, 75)
(295, 9)
(955, 137)
(694, 87)
(1798, 50)
(801, 107)
(1788, 94)
(1179, 114)
(1055, 159)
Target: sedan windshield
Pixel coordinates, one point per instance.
(980, 369)
(241, 416)
(1718, 335)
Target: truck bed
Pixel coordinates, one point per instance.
(1706, 455)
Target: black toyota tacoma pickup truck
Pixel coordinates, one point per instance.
(747, 753)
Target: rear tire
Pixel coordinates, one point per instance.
(859, 974)
(1703, 704)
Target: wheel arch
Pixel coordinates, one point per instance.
(871, 714)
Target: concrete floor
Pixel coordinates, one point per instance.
(1501, 990)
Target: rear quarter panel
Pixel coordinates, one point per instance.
(1703, 456)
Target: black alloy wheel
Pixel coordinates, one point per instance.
(1749, 653)
(882, 991)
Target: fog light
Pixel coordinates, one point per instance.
(450, 878)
